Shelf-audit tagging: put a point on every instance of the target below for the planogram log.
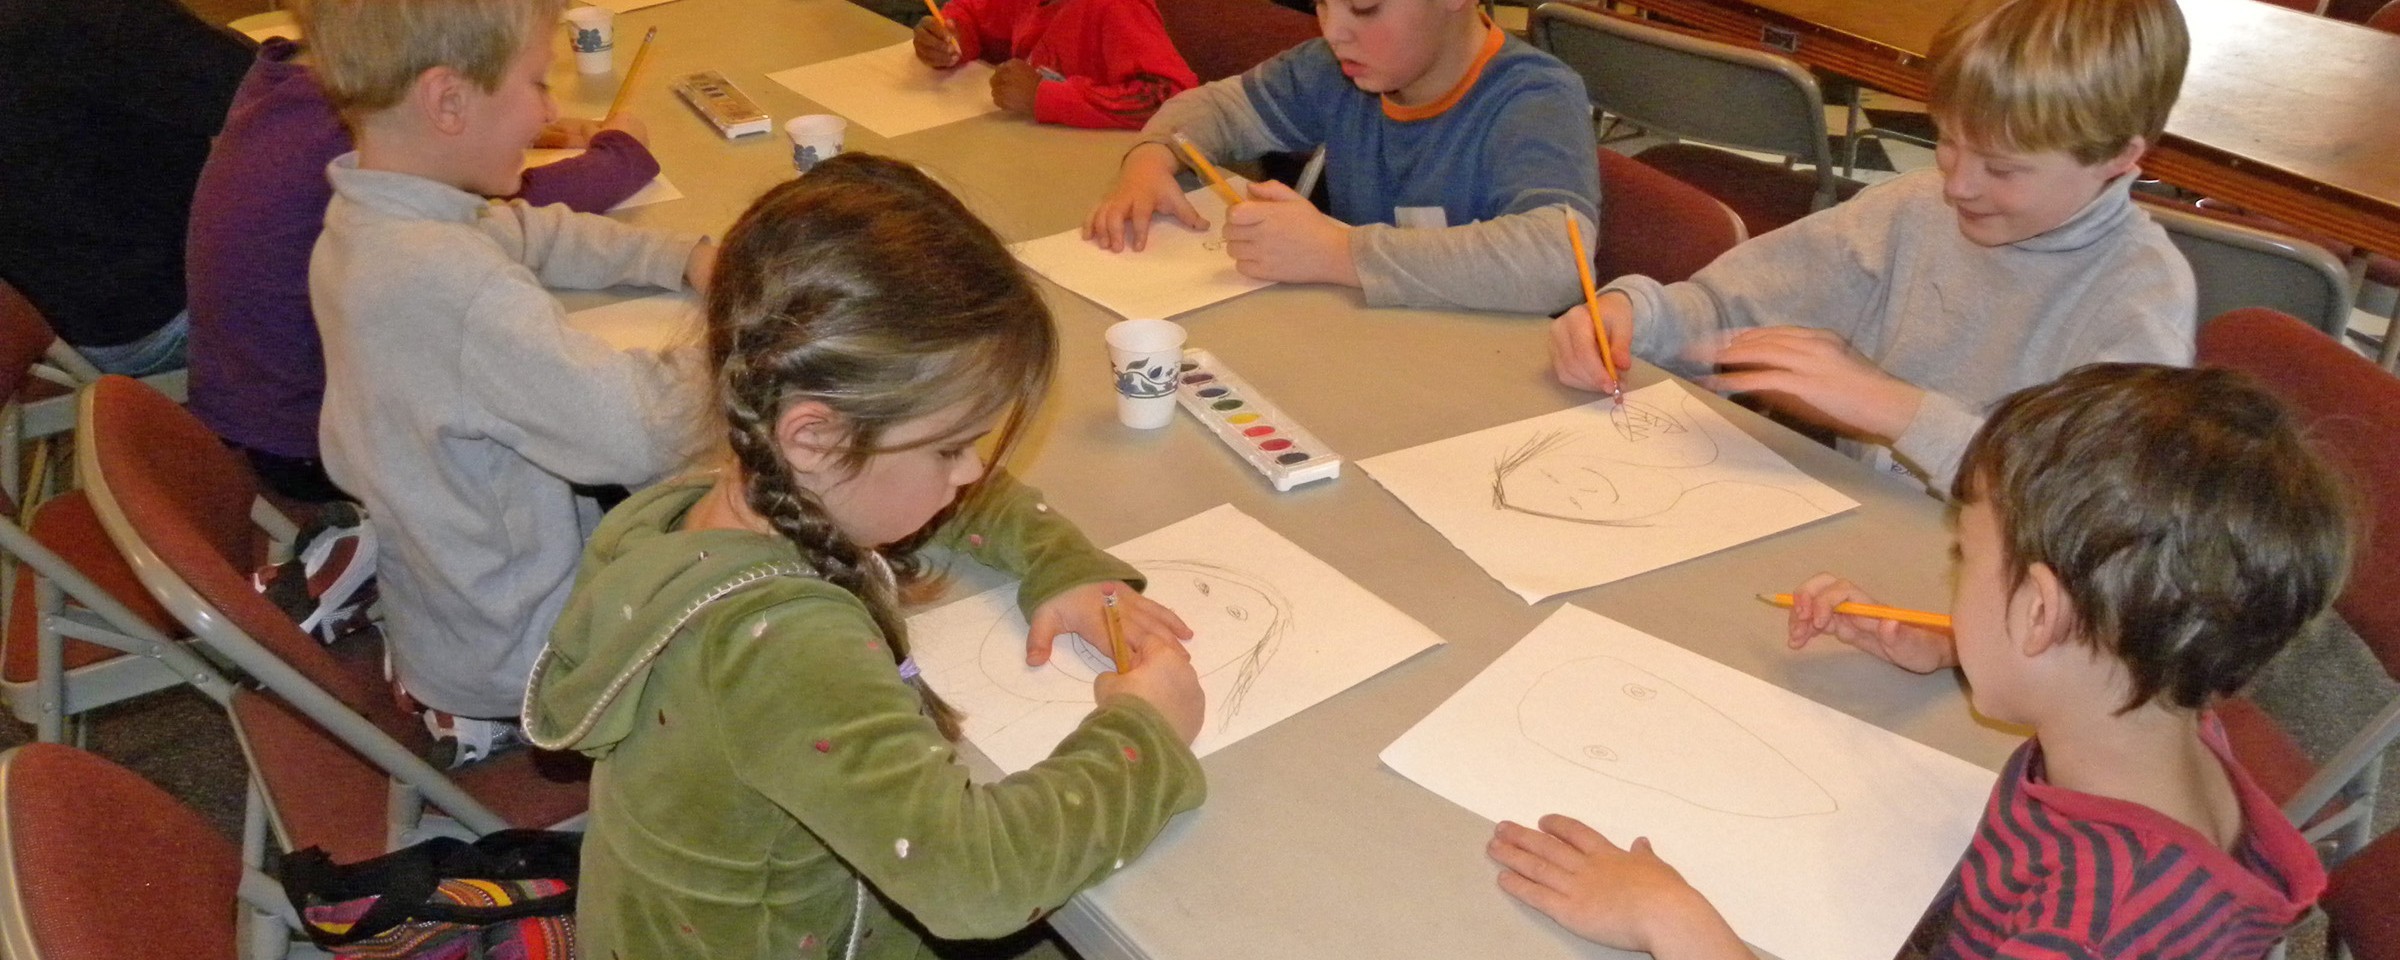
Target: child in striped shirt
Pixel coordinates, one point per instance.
(2134, 542)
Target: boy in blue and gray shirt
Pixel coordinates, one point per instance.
(1454, 156)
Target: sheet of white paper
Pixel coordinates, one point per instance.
(1180, 271)
(651, 323)
(1582, 497)
(1275, 630)
(658, 190)
(1818, 836)
(890, 92)
(627, 6)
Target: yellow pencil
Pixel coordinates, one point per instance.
(1591, 304)
(940, 22)
(1116, 632)
(626, 89)
(1938, 621)
(1216, 180)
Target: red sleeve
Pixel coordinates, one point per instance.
(614, 167)
(980, 26)
(1137, 69)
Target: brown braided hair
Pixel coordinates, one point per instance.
(867, 287)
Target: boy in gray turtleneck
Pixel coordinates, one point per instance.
(1897, 317)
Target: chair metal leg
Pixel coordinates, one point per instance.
(50, 671)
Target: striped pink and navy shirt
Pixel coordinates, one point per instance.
(2054, 873)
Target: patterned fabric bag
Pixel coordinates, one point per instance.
(507, 896)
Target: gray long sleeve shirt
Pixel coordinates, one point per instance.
(1890, 271)
(459, 406)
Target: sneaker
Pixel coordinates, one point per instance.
(458, 741)
(323, 586)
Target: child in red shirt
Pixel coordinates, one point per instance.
(1083, 63)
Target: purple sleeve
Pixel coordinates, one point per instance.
(613, 168)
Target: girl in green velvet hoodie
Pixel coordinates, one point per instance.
(772, 778)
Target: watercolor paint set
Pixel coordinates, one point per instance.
(1258, 432)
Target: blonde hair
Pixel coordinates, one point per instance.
(370, 52)
(2080, 76)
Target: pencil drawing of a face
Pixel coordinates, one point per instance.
(1236, 622)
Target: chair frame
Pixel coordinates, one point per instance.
(414, 782)
(1818, 150)
(2184, 226)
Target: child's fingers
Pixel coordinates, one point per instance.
(1186, 214)
(1544, 899)
(1576, 834)
(1160, 613)
(1040, 633)
(1540, 857)
(1574, 353)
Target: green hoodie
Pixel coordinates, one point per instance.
(767, 785)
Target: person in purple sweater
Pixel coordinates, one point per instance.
(257, 367)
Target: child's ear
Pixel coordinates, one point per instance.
(2043, 612)
(2127, 158)
(439, 97)
(809, 436)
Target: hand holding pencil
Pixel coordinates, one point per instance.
(1142, 636)
(1912, 640)
(936, 40)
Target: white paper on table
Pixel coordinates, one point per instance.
(1179, 271)
(1586, 496)
(652, 323)
(658, 190)
(1817, 835)
(890, 92)
(1275, 631)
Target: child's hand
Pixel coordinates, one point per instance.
(1911, 648)
(630, 125)
(1013, 87)
(1628, 899)
(1079, 610)
(700, 266)
(1278, 235)
(566, 133)
(1145, 185)
(1575, 348)
(1815, 375)
(935, 48)
(1162, 675)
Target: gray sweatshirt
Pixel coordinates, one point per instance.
(459, 406)
(1968, 324)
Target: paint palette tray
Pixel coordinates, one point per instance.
(1256, 430)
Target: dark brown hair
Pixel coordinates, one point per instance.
(865, 286)
(2184, 514)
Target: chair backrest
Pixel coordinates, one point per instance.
(1657, 226)
(24, 337)
(2237, 266)
(2360, 901)
(2352, 408)
(98, 864)
(1687, 86)
(1224, 38)
(2386, 18)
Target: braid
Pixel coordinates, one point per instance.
(866, 288)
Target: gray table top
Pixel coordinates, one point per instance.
(1307, 846)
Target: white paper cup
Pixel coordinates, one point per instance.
(1145, 356)
(815, 138)
(593, 33)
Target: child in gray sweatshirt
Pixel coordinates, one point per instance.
(459, 407)
(1897, 317)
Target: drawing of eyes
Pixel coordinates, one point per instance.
(1202, 586)
(1639, 692)
(1598, 752)
(1237, 612)
(1213, 243)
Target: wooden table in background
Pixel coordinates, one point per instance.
(2288, 114)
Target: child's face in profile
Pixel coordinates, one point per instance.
(1384, 45)
(503, 122)
(1979, 610)
(895, 493)
(2003, 196)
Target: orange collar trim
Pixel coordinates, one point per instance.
(1493, 38)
